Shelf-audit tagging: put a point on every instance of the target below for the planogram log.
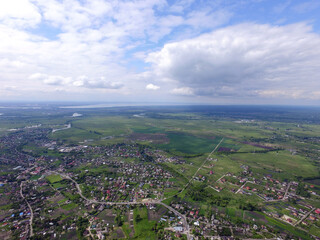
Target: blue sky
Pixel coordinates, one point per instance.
(177, 51)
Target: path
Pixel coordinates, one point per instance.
(221, 177)
(64, 128)
(31, 211)
(183, 218)
(286, 193)
(241, 187)
(204, 162)
(151, 201)
(304, 217)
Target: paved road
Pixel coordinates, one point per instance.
(149, 201)
(31, 211)
(183, 218)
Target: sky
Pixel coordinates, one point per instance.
(161, 51)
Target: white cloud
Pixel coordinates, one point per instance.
(306, 6)
(242, 60)
(282, 6)
(50, 79)
(180, 6)
(103, 84)
(295, 94)
(81, 81)
(186, 91)
(74, 43)
(207, 19)
(6, 63)
(21, 13)
(152, 87)
(38, 76)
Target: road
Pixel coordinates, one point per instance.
(241, 187)
(204, 162)
(31, 211)
(183, 218)
(149, 201)
(244, 185)
(221, 177)
(214, 189)
(286, 193)
(64, 128)
(304, 217)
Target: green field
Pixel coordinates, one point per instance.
(189, 144)
(281, 164)
(163, 153)
(54, 178)
(142, 226)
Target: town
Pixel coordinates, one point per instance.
(54, 189)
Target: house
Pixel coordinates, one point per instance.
(178, 228)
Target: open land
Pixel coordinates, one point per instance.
(175, 172)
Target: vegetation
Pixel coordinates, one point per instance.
(82, 224)
(264, 176)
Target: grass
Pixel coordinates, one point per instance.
(170, 192)
(147, 129)
(59, 185)
(143, 227)
(189, 143)
(192, 136)
(54, 178)
(314, 230)
(6, 207)
(283, 226)
(62, 201)
(280, 164)
(69, 206)
(126, 229)
(94, 127)
(35, 177)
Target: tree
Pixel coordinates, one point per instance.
(225, 232)
(82, 224)
(119, 220)
(302, 191)
(138, 218)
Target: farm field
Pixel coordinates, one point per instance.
(160, 172)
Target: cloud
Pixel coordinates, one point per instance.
(243, 60)
(306, 6)
(185, 91)
(81, 81)
(10, 88)
(75, 38)
(152, 87)
(207, 19)
(279, 8)
(50, 79)
(19, 13)
(6, 63)
(90, 47)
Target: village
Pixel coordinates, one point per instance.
(102, 191)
